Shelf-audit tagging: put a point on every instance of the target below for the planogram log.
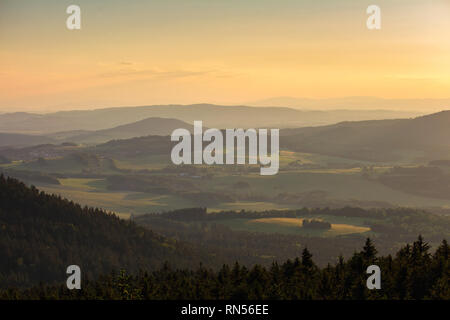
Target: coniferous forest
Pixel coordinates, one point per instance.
(414, 273)
(42, 234)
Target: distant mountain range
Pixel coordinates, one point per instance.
(419, 139)
(355, 103)
(213, 116)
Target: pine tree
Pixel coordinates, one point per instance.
(307, 261)
(369, 252)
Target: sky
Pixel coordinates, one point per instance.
(148, 52)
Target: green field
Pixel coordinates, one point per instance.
(122, 203)
(144, 162)
(331, 179)
(341, 185)
(93, 192)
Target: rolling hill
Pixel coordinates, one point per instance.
(22, 140)
(422, 138)
(146, 127)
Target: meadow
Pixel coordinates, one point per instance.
(304, 180)
(294, 226)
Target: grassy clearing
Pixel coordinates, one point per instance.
(336, 229)
(291, 222)
(343, 229)
(291, 226)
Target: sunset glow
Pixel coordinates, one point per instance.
(225, 52)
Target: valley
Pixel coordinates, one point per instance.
(134, 178)
(304, 180)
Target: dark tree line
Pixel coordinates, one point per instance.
(316, 224)
(413, 273)
(397, 224)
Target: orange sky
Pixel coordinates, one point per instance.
(226, 52)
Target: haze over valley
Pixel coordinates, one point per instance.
(338, 164)
(331, 155)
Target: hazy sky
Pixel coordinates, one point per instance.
(219, 51)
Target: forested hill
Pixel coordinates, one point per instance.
(41, 235)
(379, 140)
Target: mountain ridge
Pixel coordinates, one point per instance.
(153, 126)
(376, 140)
(213, 116)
